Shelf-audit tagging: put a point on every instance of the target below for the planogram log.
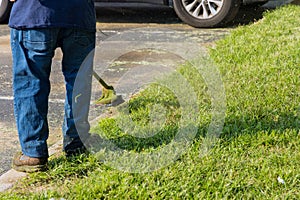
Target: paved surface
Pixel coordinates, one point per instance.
(111, 23)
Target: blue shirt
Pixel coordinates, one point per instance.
(53, 13)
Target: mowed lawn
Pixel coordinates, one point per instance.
(257, 155)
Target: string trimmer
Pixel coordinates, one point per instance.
(108, 93)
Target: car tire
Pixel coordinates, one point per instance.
(5, 7)
(206, 13)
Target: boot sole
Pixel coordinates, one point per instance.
(29, 168)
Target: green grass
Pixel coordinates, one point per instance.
(260, 141)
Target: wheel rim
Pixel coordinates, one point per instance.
(203, 9)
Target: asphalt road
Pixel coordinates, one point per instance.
(116, 29)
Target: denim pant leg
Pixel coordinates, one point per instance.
(32, 56)
(77, 65)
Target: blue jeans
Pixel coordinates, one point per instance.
(33, 50)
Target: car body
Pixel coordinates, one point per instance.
(197, 13)
(5, 7)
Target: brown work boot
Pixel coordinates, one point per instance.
(27, 164)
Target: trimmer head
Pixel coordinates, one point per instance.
(109, 97)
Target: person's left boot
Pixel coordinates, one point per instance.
(23, 163)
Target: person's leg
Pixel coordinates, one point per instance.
(77, 65)
(32, 55)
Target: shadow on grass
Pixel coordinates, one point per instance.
(233, 127)
(62, 168)
(144, 137)
(280, 122)
(247, 14)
